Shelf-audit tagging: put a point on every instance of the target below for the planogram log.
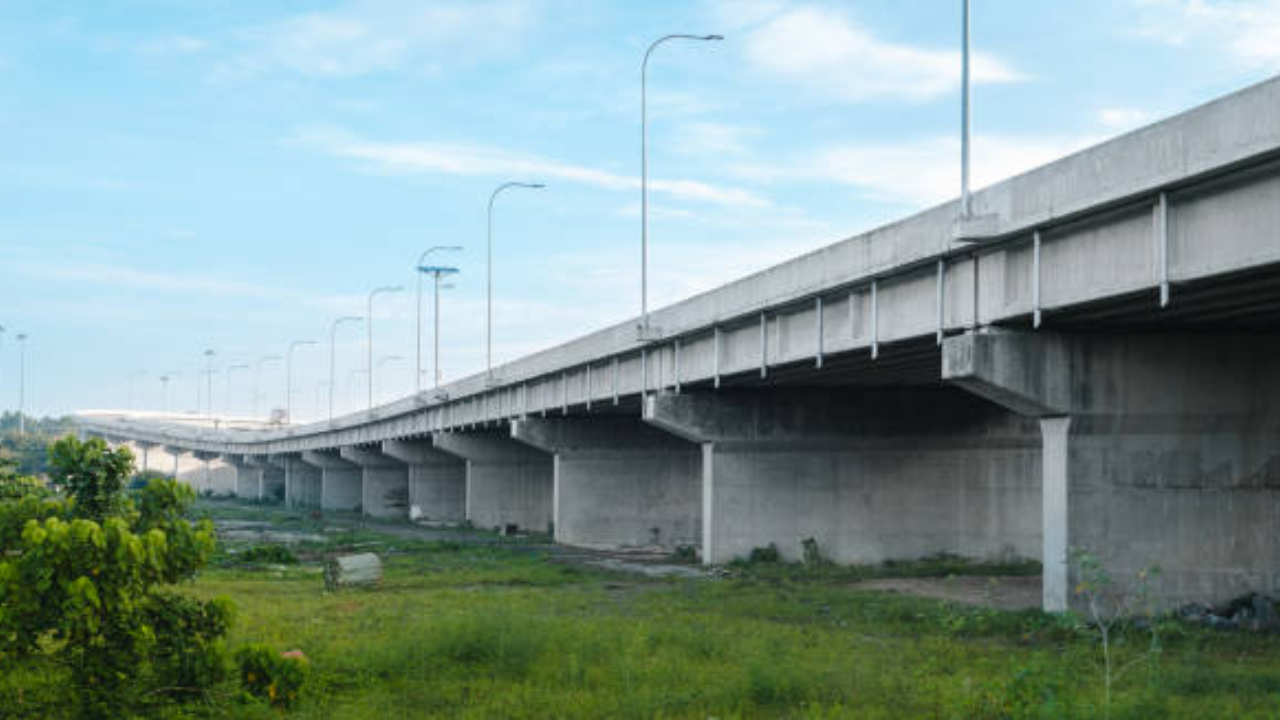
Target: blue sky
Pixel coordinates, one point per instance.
(228, 174)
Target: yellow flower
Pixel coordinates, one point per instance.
(250, 677)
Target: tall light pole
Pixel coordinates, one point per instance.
(257, 379)
(645, 332)
(288, 377)
(369, 324)
(164, 389)
(333, 332)
(208, 395)
(488, 325)
(383, 360)
(966, 208)
(22, 383)
(230, 369)
(423, 269)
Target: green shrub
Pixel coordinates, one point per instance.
(270, 676)
(189, 654)
(269, 555)
(83, 583)
(767, 554)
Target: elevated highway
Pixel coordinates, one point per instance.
(1096, 369)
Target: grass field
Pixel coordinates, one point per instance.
(487, 630)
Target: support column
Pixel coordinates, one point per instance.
(508, 483)
(271, 484)
(176, 469)
(341, 484)
(437, 480)
(385, 481)
(205, 482)
(619, 482)
(248, 476)
(1158, 451)
(301, 481)
(869, 475)
(145, 447)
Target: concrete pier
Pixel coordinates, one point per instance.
(385, 482)
(248, 476)
(1158, 451)
(341, 484)
(508, 483)
(301, 481)
(437, 480)
(618, 482)
(870, 475)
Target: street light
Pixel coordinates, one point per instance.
(333, 332)
(372, 295)
(288, 377)
(644, 332)
(208, 395)
(435, 272)
(164, 389)
(966, 207)
(257, 379)
(22, 382)
(488, 351)
(230, 369)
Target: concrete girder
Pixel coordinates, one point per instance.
(508, 483)
(870, 475)
(437, 480)
(385, 481)
(618, 482)
(341, 482)
(1157, 450)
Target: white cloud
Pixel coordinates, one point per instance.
(1249, 30)
(709, 139)
(176, 45)
(832, 54)
(479, 160)
(368, 36)
(923, 171)
(1122, 118)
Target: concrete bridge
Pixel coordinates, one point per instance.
(1092, 362)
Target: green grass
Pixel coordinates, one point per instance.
(463, 630)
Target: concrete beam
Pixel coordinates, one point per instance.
(870, 475)
(508, 483)
(301, 481)
(1157, 450)
(341, 481)
(271, 485)
(247, 474)
(618, 482)
(437, 480)
(385, 481)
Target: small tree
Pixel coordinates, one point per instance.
(90, 576)
(1109, 606)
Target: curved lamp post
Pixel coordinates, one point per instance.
(374, 293)
(333, 332)
(488, 324)
(288, 377)
(645, 332)
(435, 272)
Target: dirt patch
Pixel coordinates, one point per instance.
(1005, 593)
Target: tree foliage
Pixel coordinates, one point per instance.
(84, 582)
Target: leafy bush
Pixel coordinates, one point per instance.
(91, 474)
(82, 582)
(271, 676)
(767, 554)
(189, 654)
(269, 554)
